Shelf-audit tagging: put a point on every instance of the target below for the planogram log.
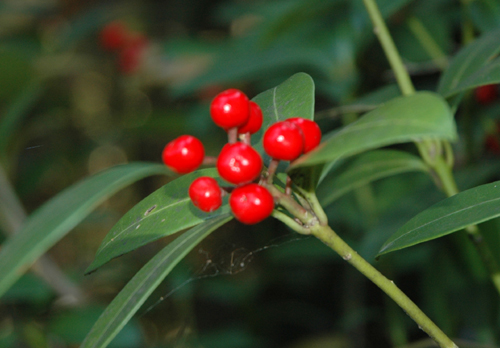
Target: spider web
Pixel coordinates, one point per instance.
(227, 260)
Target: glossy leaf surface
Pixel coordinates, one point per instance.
(469, 207)
(58, 216)
(138, 289)
(365, 169)
(420, 116)
(292, 98)
(164, 212)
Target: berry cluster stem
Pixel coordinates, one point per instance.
(271, 170)
(428, 149)
(305, 217)
(232, 135)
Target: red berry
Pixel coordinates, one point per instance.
(311, 131)
(131, 56)
(230, 109)
(205, 194)
(239, 163)
(254, 121)
(184, 154)
(284, 141)
(251, 203)
(486, 94)
(114, 36)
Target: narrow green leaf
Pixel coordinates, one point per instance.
(292, 98)
(138, 289)
(364, 169)
(164, 212)
(412, 118)
(469, 60)
(488, 74)
(58, 216)
(470, 207)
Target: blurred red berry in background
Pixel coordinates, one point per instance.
(114, 36)
(486, 94)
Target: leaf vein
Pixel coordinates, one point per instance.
(440, 218)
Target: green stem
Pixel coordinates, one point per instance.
(287, 220)
(428, 43)
(467, 25)
(389, 47)
(310, 224)
(429, 149)
(332, 240)
(446, 179)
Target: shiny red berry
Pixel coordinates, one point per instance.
(254, 121)
(486, 94)
(205, 194)
(239, 163)
(230, 109)
(251, 203)
(311, 131)
(114, 36)
(284, 141)
(184, 154)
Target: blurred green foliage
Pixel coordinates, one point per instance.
(66, 111)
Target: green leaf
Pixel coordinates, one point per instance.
(467, 208)
(292, 98)
(468, 61)
(138, 289)
(488, 74)
(164, 212)
(58, 216)
(364, 169)
(420, 116)
(363, 104)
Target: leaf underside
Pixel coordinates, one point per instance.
(420, 116)
(364, 169)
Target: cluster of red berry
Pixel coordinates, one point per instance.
(238, 162)
(129, 45)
